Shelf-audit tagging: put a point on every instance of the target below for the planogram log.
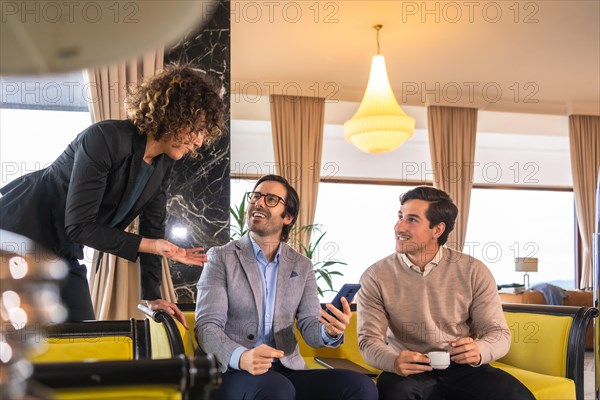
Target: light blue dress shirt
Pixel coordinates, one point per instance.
(268, 282)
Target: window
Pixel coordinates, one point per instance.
(359, 220)
(32, 139)
(504, 224)
(39, 117)
(518, 156)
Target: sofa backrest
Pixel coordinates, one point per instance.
(93, 341)
(539, 342)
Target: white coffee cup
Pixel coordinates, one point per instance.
(439, 359)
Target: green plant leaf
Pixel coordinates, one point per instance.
(327, 278)
(332, 262)
(238, 213)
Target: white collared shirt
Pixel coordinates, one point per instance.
(428, 268)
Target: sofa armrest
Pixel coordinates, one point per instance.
(165, 333)
(579, 298)
(549, 339)
(179, 375)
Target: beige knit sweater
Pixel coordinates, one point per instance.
(400, 309)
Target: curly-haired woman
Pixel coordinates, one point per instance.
(111, 173)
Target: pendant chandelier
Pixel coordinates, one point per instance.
(379, 125)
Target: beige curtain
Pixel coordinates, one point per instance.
(108, 84)
(297, 124)
(584, 139)
(115, 282)
(452, 134)
(115, 285)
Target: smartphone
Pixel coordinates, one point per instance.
(348, 291)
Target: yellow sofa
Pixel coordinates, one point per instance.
(164, 379)
(120, 359)
(105, 360)
(548, 348)
(577, 298)
(93, 341)
(547, 351)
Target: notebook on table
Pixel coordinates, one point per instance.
(343, 363)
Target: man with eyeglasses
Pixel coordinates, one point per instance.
(250, 294)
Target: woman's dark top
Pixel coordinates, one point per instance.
(72, 202)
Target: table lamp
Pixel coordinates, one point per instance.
(526, 264)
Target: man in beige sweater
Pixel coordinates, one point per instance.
(426, 297)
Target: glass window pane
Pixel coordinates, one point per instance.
(359, 220)
(358, 232)
(33, 139)
(504, 224)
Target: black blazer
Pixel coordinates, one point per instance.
(72, 202)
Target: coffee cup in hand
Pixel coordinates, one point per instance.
(439, 359)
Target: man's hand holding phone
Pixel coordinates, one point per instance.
(338, 314)
(337, 321)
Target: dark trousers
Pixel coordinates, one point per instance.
(281, 383)
(458, 382)
(75, 293)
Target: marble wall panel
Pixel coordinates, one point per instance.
(198, 193)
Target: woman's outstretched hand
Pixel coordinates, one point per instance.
(195, 256)
(161, 247)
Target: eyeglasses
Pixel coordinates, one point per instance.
(271, 200)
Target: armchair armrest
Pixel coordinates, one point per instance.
(180, 374)
(171, 328)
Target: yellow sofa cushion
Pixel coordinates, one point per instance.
(166, 392)
(546, 382)
(83, 349)
(536, 338)
(190, 343)
(349, 349)
(159, 340)
(543, 387)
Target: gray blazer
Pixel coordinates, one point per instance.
(229, 304)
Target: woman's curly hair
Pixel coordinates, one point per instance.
(170, 105)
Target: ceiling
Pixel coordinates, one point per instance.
(538, 57)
